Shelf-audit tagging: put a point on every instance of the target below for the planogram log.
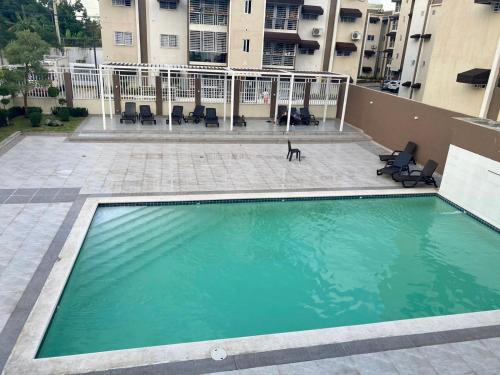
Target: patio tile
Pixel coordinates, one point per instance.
(445, 360)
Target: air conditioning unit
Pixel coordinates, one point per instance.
(495, 6)
(317, 31)
(356, 35)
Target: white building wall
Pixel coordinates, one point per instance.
(417, 26)
(473, 182)
(167, 21)
(313, 62)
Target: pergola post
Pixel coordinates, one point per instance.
(103, 107)
(290, 95)
(344, 104)
(169, 95)
(225, 96)
(327, 97)
(232, 102)
(110, 101)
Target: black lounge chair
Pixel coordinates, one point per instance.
(211, 117)
(145, 114)
(410, 148)
(307, 118)
(196, 115)
(177, 114)
(282, 110)
(295, 117)
(239, 121)
(292, 151)
(399, 165)
(130, 113)
(414, 177)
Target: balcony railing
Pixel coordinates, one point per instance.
(208, 57)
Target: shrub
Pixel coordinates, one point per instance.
(62, 101)
(78, 112)
(63, 114)
(53, 91)
(31, 110)
(14, 112)
(5, 101)
(4, 117)
(35, 118)
(4, 91)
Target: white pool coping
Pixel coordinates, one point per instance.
(22, 359)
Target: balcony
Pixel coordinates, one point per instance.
(281, 17)
(208, 57)
(205, 12)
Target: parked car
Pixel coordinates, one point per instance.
(383, 85)
(393, 86)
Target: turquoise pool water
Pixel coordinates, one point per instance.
(153, 275)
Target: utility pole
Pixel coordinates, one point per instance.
(56, 21)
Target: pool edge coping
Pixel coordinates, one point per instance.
(22, 357)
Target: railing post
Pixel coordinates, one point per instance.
(68, 88)
(277, 99)
(327, 98)
(272, 109)
(103, 107)
(232, 102)
(225, 96)
(169, 95)
(307, 94)
(197, 90)
(344, 104)
(110, 102)
(116, 94)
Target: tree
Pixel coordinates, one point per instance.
(27, 50)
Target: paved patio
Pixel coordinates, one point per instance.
(45, 180)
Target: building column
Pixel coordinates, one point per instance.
(307, 94)
(159, 96)
(197, 90)
(492, 83)
(290, 96)
(274, 91)
(169, 96)
(68, 89)
(344, 105)
(103, 108)
(116, 94)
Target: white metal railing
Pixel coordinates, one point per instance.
(42, 83)
(212, 90)
(322, 92)
(137, 87)
(86, 85)
(183, 89)
(255, 92)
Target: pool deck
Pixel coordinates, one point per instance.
(46, 181)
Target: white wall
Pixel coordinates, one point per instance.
(473, 182)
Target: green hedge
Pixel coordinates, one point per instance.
(4, 116)
(31, 110)
(35, 118)
(73, 112)
(63, 114)
(14, 112)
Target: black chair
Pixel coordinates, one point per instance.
(211, 117)
(197, 114)
(414, 177)
(411, 148)
(292, 151)
(399, 165)
(239, 121)
(282, 111)
(307, 118)
(130, 113)
(177, 114)
(145, 114)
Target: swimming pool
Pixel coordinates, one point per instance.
(164, 274)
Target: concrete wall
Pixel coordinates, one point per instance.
(118, 18)
(393, 121)
(473, 182)
(246, 26)
(466, 39)
(313, 62)
(167, 21)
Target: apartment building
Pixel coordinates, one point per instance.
(453, 56)
(309, 35)
(375, 52)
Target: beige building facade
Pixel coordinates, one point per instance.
(311, 35)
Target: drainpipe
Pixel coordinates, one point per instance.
(492, 82)
(420, 46)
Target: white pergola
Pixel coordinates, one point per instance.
(227, 72)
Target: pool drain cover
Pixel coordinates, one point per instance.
(218, 354)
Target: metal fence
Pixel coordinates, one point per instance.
(133, 86)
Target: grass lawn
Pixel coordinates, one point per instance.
(23, 124)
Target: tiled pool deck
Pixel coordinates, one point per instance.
(45, 181)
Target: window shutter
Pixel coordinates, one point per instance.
(195, 41)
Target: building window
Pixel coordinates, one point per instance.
(370, 37)
(208, 12)
(348, 19)
(207, 46)
(248, 6)
(168, 41)
(279, 54)
(121, 3)
(305, 51)
(343, 53)
(309, 16)
(246, 45)
(123, 38)
(168, 4)
(281, 16)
